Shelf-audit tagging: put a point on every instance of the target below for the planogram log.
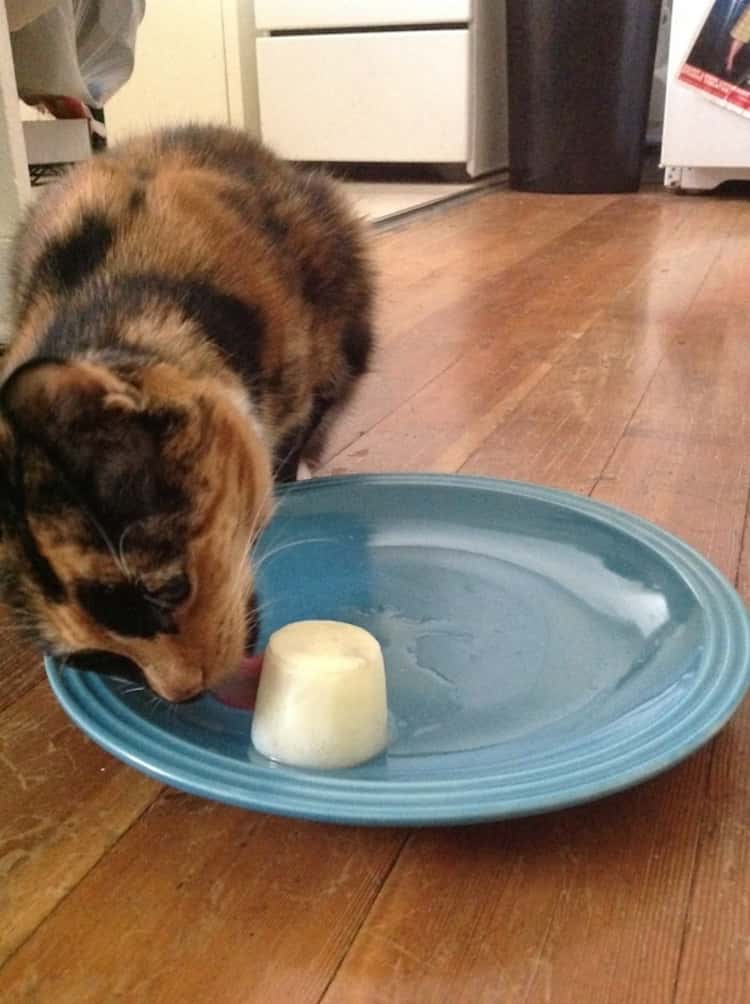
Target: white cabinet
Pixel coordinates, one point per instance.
(366, 81)
(378, 96)
(286, 15)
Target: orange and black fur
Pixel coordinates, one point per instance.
(189, 313)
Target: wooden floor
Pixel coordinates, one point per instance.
(600, 344)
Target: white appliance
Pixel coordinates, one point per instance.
(703, 144)
(384, 81)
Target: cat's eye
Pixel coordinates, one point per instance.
(123, 607)
(106, 664)
(173, 592)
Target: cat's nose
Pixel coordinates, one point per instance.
(180, 694)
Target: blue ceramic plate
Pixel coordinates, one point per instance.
(541, 650)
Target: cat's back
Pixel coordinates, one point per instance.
(195, 201)
(264, 261)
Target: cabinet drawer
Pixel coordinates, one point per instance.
(288, 15)
(382, 96)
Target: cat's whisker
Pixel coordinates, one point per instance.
(292, 543)
(135, 689)
(270, 543)
(256, 620)
(260, 512)
(253, 616)
(156, 602)
(153, 703)
(106, 540)
(65, 662)
(261, 504)
(298, 443)
(121, 549)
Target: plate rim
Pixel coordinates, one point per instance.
(321, 796)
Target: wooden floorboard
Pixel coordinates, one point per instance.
(600, 345)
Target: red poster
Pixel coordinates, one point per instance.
(719, 61)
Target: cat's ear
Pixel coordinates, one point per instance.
(45, 392)
(97, 430)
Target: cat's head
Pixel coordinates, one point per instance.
(128, 502)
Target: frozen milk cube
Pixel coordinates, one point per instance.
(322, 697)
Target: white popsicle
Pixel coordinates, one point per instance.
(322, 698)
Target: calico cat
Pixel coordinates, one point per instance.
(189, 313)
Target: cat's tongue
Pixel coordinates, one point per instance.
(239, 690)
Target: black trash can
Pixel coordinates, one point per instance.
(579, 81)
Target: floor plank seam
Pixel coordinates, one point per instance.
(543, 945)
(357, 930)
(556, 360)
(83, 877)
(657, 367)
(699, 842)
(743, 540)
(327, 461)
(626, 426)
